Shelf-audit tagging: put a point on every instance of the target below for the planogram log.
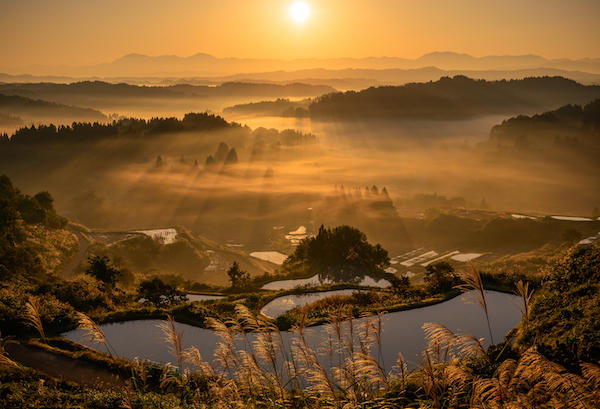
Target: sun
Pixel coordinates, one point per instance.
(299, 11)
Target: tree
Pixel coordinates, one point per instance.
(211, 164)
(340, 245)
(100, 269)
(440, 277)
(222, 152)
(232, 158)
(237, 276)
(45, 200)
(31, 211)
(400, 285)
(158, 292)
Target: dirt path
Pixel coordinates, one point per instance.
(83, 248)
(71, 369)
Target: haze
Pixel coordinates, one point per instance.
(271, 141)
(76, 33)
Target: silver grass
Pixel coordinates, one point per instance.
(33, 317)
(192, 356)
(401, 369)
(522, 290)
(371, 373)
(591, 372)
(473, 286)
(92, 332)
(174, 340)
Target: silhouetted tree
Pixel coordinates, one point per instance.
(400, 285)
(222, 152)
(31, 211)
(45, 200)
(237, 276)
(343, 244)
(231, 158)
(158, 292)
(159, 162)
(211, 164)
(385, 193)
(101, 270)
(440, 277)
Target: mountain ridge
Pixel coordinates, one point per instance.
(203, 64)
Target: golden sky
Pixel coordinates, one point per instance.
(85, 32)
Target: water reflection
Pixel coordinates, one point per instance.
(331, 275)
(203, 297)
(402, 331)
(281, 305)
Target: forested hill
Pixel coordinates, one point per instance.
(573, 121)
(453, 98)
(36, 111)
(62, 92)
(135, 128)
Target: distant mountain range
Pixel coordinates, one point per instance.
(205, 65)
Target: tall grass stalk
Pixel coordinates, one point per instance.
(33, 317)
(440, 338)
(522, 290)
(401, 368)
(174, 339)
(473, 284)
(93, 333)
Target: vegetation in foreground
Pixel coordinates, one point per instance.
(456, 371)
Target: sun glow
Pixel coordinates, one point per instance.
(299, 11)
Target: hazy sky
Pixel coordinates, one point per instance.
(83, 32)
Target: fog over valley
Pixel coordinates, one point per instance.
(300, 204)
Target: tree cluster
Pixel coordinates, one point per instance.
(15, 205)
(238, 277)
(343, 244)
(159, 293)
(16, 210)
(101, 269)
(451, 98)
(441, 277)
(88, 132)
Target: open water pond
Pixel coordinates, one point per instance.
(203, 297)
(331, 275)
(281, 305)
(316, 280)
(274, 257)
(402, 331)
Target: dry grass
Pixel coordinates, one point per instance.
(522, 291)
(33, 317)
(93, 333)
(476, 293)
(255, 367)
(174, 339)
